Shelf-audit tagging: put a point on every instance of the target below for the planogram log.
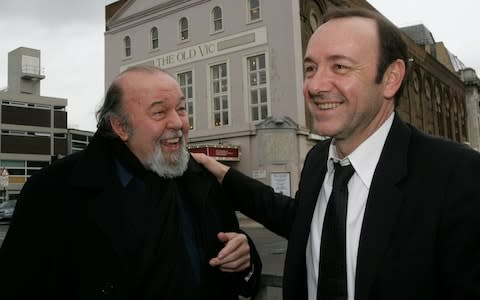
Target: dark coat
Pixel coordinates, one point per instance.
(420, 237)
(67, 239)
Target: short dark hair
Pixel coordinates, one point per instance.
(112, 104)
(392, 45)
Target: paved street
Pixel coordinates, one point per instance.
(272, 249)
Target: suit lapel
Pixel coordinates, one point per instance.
(382, 208)
(295, 264)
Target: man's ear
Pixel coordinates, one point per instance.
(119, 128)
(393, 78)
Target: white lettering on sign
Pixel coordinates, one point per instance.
(185, 55)
(229, 44)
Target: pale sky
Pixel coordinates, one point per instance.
(69, 35)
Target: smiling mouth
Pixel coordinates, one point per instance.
(171, 141)
(327, 106)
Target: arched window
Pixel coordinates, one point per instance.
(253, 10)
(183, 24)
(127, 45)
(217, 22)
(154, 37)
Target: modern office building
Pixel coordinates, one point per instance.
(33, 128)
(240, 65)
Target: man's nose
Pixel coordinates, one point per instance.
(320, 81)
(174, 120)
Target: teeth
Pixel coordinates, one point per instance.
(173, 140)
(328, 105)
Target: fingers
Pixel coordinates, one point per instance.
(217, 169)
(235, 256)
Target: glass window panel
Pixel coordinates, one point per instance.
(190, 92)
(16, 172)
(127, 46)
(252, 64)
(181, 79)
(37, 164)
(254, 14)
(154, 36)
(263, 95)
(217, 119)
(31, 172)
(13, 164)
(263, 77)
(254, 113)
(183, 24)
(225, 118)
(264, 111)
(215, 72)
(224, 85)
(217, 13)
(254, 96)
(183, 28)
(257, 82)
(223, 70)
(224, 102)
(261, 61)
(216, 87)
(217, 25)
(190, 107)
(216, 103)
(253, 79)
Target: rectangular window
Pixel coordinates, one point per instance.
(219, 87)
(253, 10)
(31, 64)
(257, 87)
(217, 19)
(183, 29)
(20, 170)
(185, 80)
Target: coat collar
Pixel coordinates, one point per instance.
(381, 213)
(382, 208)
(95, 176)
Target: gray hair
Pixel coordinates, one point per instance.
(112, 104)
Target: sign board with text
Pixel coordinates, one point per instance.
(280, 183)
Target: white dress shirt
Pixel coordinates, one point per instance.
(364, 160)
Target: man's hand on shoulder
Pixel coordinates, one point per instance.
(217, 169)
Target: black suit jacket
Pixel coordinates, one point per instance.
(420, 237)
(67, 239)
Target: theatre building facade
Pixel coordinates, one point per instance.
(240, 66)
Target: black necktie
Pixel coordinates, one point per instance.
(332, 271)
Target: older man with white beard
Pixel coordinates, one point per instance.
(131, 216)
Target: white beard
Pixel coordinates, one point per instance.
(171, 166)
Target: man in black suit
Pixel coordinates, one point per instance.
(412, 222)
(132, 216)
